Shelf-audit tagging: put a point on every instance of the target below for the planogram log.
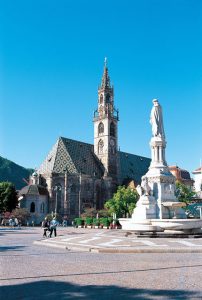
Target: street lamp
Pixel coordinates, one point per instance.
(80, 194)
(56, 189)
(65, 194)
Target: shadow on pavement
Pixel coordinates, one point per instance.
(11, 248)
(51, 290)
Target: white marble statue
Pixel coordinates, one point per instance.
(156, 120)
(144, 188)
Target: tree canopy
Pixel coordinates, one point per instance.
(8, 197)
(184, 193)
(123, 202)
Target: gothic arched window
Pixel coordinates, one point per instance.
(100, 147)
(101, 110)
(108, 98)
(112, 129)
(32, 207)
(100, 128)
(101, 99)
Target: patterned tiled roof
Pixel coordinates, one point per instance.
(76, 157)
(133, 166)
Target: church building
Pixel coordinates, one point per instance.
(79, 175)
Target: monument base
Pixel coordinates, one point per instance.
(172, 226)
(145, 208)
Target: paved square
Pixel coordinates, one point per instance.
(31, 271)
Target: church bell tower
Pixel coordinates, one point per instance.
(106, 118)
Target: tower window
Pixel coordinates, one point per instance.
(112, 129)
(101, 128)
(100, 147)
(108, 98)
(101, 99)
(32, 207)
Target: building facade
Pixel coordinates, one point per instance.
(182, 176)
(198, 182)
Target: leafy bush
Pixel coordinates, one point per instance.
(79, 221)
(96, 222)
(105, 222)
(89, 221)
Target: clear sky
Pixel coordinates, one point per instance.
(51, 62)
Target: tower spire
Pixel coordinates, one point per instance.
(105, 83)
(105, 62)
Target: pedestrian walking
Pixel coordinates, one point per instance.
(53, 225)
(16, 222)
(45, 225)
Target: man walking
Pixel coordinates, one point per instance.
(53, 225)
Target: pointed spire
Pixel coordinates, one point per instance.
(105, 77)
(105, 62)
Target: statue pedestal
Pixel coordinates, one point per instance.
(145, 208)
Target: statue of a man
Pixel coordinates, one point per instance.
(156, 120)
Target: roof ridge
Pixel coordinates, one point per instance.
(74, 140)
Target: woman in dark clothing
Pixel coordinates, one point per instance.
(45, 225)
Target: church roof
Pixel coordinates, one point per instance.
(133, 166)
(33, 189)
(76, 157)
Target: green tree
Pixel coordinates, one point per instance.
(123, 202)
(8, 197)
(184, 193)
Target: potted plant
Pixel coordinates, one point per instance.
(89, 222)
(96, 223)
(79, 222)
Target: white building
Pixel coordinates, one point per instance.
(198, 181)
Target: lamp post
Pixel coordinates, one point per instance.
(56, 189)
(80, 194)
(65, 194)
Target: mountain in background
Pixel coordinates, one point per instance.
(9, 171)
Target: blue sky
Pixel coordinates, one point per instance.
(51, 62)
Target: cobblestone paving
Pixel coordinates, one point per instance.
(31, 271)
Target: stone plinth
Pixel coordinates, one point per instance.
(145, 208)
(174, 226)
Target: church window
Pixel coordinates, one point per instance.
(32, 207)
(108, 98)
(42, 207)
(101, 128)
(100, 147)
(101, 99)
(112, 129)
